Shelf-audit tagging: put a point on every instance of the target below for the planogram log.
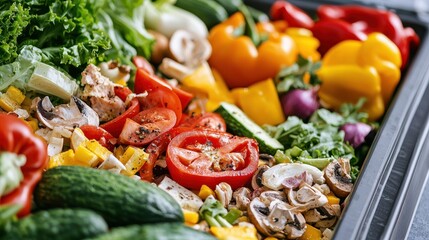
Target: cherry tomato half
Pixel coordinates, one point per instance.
(162, 98)
(146, 126)
(202, 157)
(115, 125)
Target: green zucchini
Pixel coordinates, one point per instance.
(61, 224)
(210, 12)
(159, 231)
(119, 199)
(239, 124)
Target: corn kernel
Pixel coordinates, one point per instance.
(205, 191)
(234, 233)
(190, 217)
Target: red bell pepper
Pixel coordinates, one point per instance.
(17, 137)
(295, 17)
(366, 20)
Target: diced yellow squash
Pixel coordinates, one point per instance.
(190, 216)
(234, 233)
(62, 159)
(86, 157)
(311, 233)
(15, 94)
(205, 191)
(77, 138)
(95, 147)
(133, 159)
(332, 199)
(33, 123)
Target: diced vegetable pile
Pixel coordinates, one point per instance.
(188, 119)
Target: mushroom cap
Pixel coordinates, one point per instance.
(338, 179)
(274, 176)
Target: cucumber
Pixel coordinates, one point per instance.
(160, 231)
(210, 12)
(61, 224)
(119, 199)
(239, 124)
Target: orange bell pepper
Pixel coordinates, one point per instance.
(240, 62)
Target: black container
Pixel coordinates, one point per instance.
(393, 175)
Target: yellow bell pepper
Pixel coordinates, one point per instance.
(260, 102)
(133, 159)
(353, 69)
(190, 216)
(203, 79)
(240, 62)
(12, 99)
(66, 158)
(311, 233)
(205, 191)
(234, 233)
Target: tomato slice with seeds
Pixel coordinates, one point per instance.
(162, 98)
(205, 120)
(146, 126)
(200, 157)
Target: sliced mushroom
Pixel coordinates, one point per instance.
(224, 193)
(267, 159)
(295, 182)
(274, 176)
(269, 196)
(69, 116)
(276, 218)
(160, 48)
(338, 178)
(189, 49)
(257, 177)
(241, 197)
(306, 198)
(326, 223)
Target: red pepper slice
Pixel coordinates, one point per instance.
(294, 16)
(202, 157)
(17, 137)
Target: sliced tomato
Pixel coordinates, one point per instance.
(200, 157)
(156, 148)
(122, 92)
(115, 125)
(142, 63)
(205, 120)
(184, 96)
(146, 81)
(146, 126)
(164, 99)
(102, 136)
